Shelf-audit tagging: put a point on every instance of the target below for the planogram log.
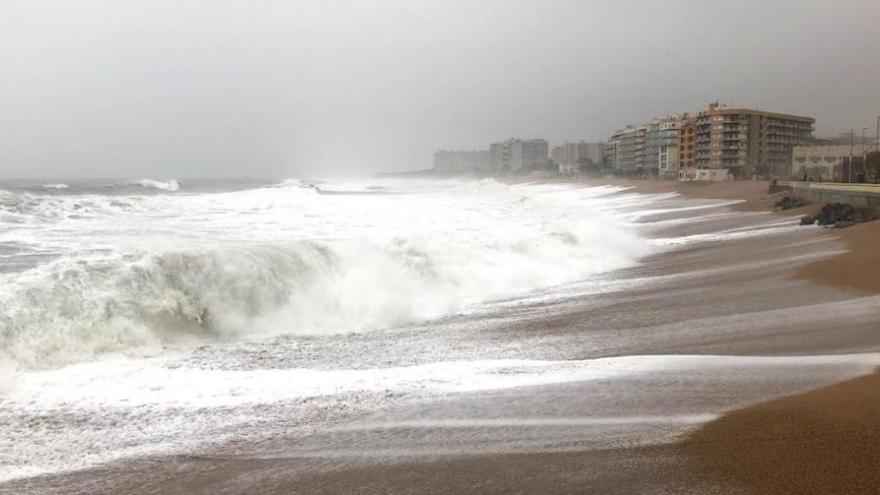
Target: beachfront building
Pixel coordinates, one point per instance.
(650, 149)
(821, 162)
(749, 142)
(462, 162)
(687, 142)
(629, 146)
(516, 155)
(609, 153)
(570, 156)
(661, 145)
(704, 174)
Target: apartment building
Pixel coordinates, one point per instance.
(649, 149)
(661, 148)
(516, 154)
(609, 153)
(629, 145)
(822, 162)
(687, 142)
(749, 142)
(570, 155)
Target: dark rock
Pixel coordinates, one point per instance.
(843, 215)
(808, 220)
(789, 202)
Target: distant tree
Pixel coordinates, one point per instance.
(872, 166)
(854, 172)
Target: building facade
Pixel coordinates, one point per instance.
(630, 149)
(515, 155)
(666, 142)
(822, 162)
(648, 149)
(570, 156)
(462, 162)
(687, 142)
(749, 142)
(609, 153)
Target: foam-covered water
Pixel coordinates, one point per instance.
(133, 273)
(144, 317)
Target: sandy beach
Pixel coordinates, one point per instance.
(823, 441)
(711, 334)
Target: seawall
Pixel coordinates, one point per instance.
(854, 194)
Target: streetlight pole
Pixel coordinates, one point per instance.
(877, 136)
(852, 137)
(864, 152)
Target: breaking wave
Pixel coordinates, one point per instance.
(170, 185)
(290, 261)
(25, 207)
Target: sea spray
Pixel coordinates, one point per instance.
(169, 185)
(136, 274)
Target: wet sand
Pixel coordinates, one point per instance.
(735, 297)
(859, 269)
(825, 441)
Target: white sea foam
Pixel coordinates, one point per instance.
(106, 294)
(55, 186)
(169, 185)
(138, 273)
(91, 413)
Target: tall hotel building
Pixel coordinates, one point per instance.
(747, 141)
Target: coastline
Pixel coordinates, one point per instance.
(745, 305)
(823, 441)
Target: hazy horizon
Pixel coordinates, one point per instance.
(222, 89)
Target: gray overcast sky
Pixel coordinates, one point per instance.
(179, 88)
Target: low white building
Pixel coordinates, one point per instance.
(704, 174)
(821, 162)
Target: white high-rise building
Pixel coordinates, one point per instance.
(515, 155)
(570, 156)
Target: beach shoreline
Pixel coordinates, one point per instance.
(748, 305)
(823, 441)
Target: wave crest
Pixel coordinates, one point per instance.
(72, 310)
(172, 185)
(282, 260)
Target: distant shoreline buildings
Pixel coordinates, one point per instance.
(724, 141)
(571, 157)
(504, 157)
(718, 143)
(519, 155)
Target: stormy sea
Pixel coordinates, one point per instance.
(149, 326)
